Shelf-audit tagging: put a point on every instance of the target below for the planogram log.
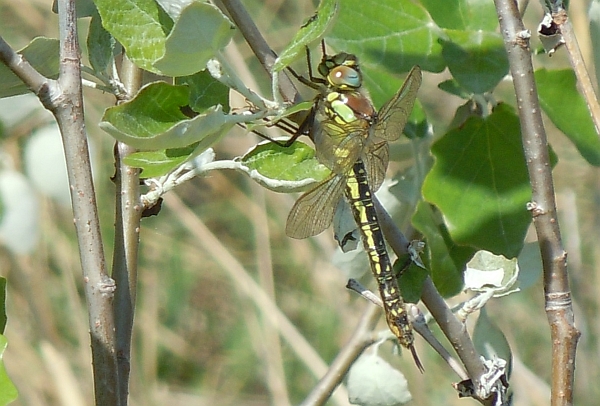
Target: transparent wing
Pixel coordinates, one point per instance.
(376, 161)
(394, 114)
(313, 211)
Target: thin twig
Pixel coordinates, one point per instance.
(128, 209)
(248, 288)
(543, 206)
(576, 58)
(361, 338)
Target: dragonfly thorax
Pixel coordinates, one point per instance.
(348, 107)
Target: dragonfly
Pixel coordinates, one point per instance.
(351, 139)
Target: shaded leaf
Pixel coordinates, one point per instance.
(463, 14)
(445, 259)
(476, 59)
(205, 91)
(490, 342)
(562, 103)
(373, 382)
(480, 183)
(101, 45)
(42, 54)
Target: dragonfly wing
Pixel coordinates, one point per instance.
(376, 162)
(394, 114)
(313, 211)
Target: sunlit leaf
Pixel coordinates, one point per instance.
(486, 271)
(8, 392)
(311, 31)
(158, 163)
(199, 32)
(292, 163)
(141, 26)
(153, 120)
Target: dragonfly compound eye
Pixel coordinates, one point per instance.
(344, 77)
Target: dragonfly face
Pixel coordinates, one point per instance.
(341, 71)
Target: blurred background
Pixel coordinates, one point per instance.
(202, 335)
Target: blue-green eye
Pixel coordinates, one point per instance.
(344, 77)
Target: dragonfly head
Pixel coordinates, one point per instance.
(341, 71)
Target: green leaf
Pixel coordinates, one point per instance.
(158, 163)
(2, 304)
(530, 265)
(141, 26)
(8, 392)
(453, 87)
(293, 163)
(463, 14)
(490, 341)
(389, 37)
(480, 183)
(410, 279)
(42, 54)
(446, 260)
(200, 31)
(311, 31)
(205, 91)
(558, 95)
(101, 45)
(153, 120)
(476, 59)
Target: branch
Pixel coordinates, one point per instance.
(65, 100)
(99, 287)
(543, 206)
(266, 56)
(125, 258)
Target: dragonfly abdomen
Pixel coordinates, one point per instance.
(359, 196)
